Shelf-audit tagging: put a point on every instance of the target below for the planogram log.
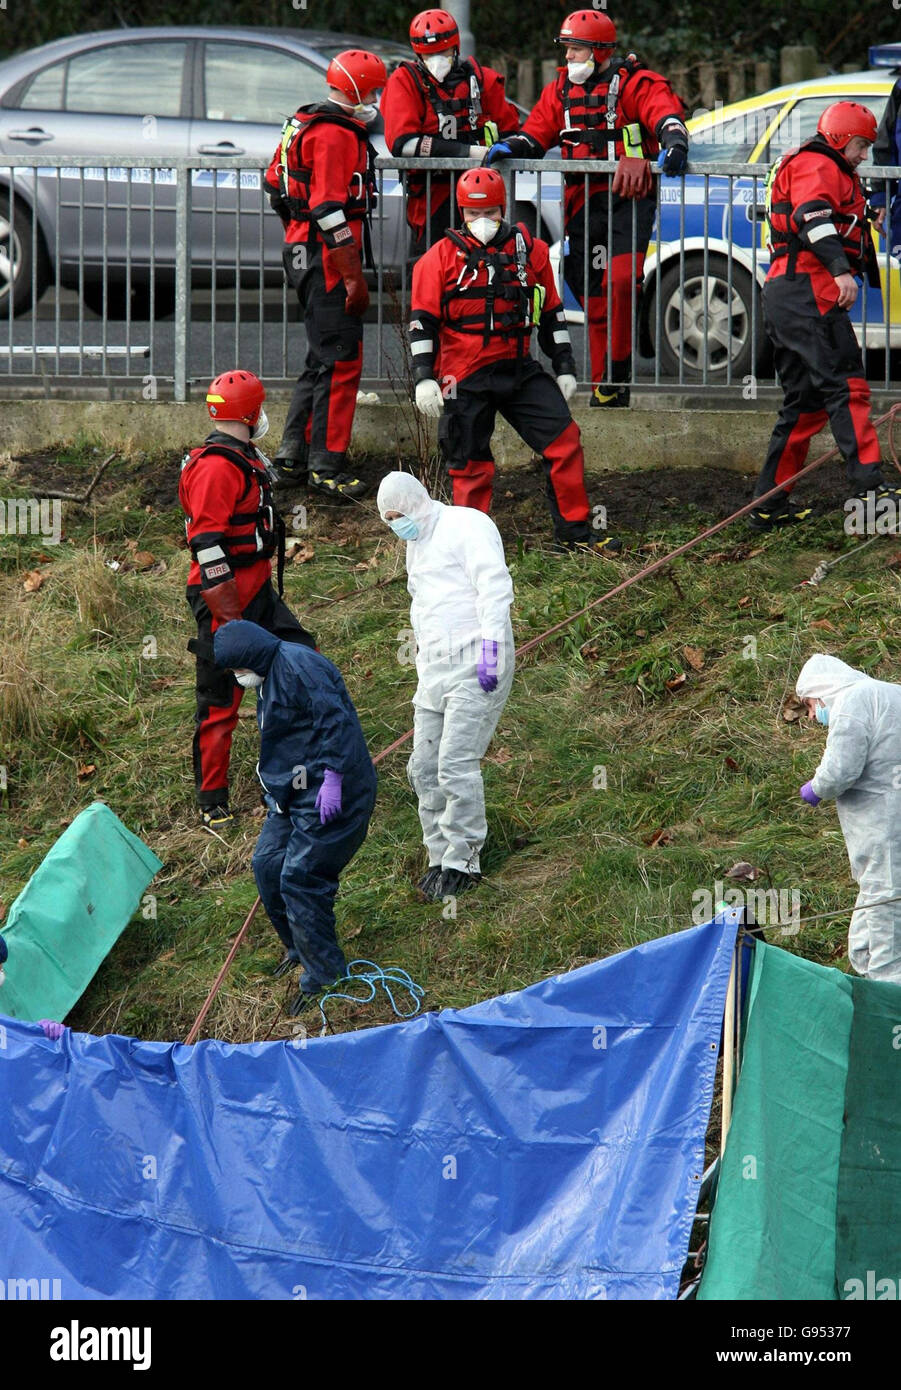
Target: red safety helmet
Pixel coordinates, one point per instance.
(591, 28)
(236, 395)
(433, 31)
(841, 121)
(356, 73)
(481, 188)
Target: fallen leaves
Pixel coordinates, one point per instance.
(743, 872)
(32, 581)
(824, 625)
(86, 770)
(793, 709)
(299, 552)
(695, 657)
(663, 836)
(677, 682)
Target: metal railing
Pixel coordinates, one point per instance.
(145, 276)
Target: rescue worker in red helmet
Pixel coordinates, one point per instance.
(820, 244)
(321, 184)
(441, 106)
(233, 531)
(601, 106)
(478, 295)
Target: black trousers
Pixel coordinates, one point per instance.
(616, 232)
(531, 401)
(821, 373)
(321, 414)
(219, 694)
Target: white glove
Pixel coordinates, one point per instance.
(429, 400)
(568, 385)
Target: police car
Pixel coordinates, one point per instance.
(708, 256)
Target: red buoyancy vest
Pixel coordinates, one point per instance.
(849, 219)
(509, 280)
(596, 113)
(255, 531)
(458, 114)
(294, 177)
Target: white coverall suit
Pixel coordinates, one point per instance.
(461, 593)
(861, 768)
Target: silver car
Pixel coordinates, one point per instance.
(161, 92)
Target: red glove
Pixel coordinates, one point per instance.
(223, 602)
(633, 177)
(346, 261)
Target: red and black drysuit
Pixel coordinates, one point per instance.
(473, 310)
(233, 531)
(441, 120)
(611, 231)
(322, 186)
(818, 229)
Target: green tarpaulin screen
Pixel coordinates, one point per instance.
(71, 912)
(809, 1197)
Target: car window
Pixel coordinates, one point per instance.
(249, 83)
(132, 79)
(732, 139)
(45, 90)
(800, 123)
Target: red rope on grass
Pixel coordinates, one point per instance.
(558, 627)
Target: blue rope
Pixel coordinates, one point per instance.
(372, 978)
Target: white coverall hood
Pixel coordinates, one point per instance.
(823, 677)
(401, 492)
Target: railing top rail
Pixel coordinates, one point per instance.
(570, 166)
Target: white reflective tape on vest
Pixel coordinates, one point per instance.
(561, 335)
(424, 345)
(214, 552)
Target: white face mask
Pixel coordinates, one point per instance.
(439, 65)
(261, 428)
(580, 72)
(483, 229)
(365, 113)
(248, 679)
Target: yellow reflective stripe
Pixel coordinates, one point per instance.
(632, 140)
(215, 400)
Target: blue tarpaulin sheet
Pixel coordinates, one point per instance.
(545, 1144)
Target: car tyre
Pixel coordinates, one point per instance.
(17, 257)
(682, 313)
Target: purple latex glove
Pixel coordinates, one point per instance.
(487, 667)
(328, 797)
(52, 1030)
(809, 795)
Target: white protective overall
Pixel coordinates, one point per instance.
(861, 769)
(461, 593)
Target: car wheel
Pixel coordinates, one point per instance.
(18, 266)
(705, 322)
